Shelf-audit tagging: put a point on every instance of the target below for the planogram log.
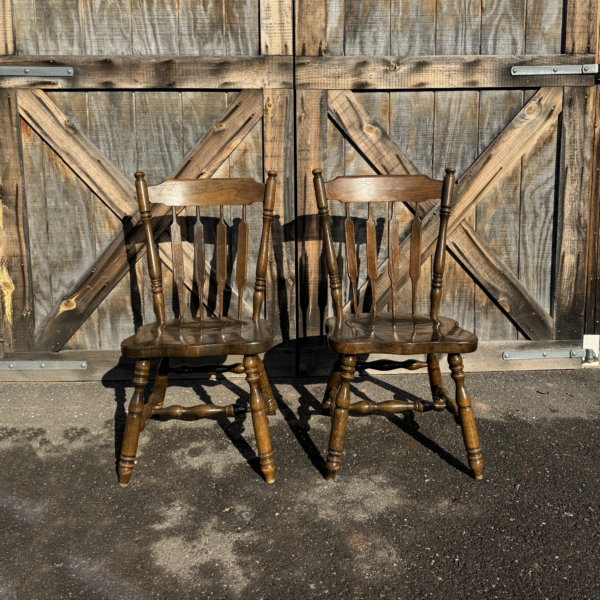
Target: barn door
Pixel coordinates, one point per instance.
(410, 86)
(162, 87)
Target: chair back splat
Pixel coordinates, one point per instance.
(412, 190)
(201, 193)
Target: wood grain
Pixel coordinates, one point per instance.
(431, 72)
(154, 27)
(157, 72)
(201, 27)
(242, 27)
(412, 26)
(24, 27)
(7, 38)
(107, 27)
(366, 27)
(276, 27)
(199, 260)
(319, 28)
(457, 28)
(502, 26)
(543, 29)
(59, 27)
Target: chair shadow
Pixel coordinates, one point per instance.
(409, 425)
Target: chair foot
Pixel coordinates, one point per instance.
(330, 474)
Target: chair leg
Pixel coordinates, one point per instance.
(266, 391)
(435, 381)
(259, 418)
(333, 384)
(134, 422)
(340, 417)
(467, 417)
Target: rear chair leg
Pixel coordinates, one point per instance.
(467, 417)
(435, 381)
(259, 418)
(157, 398)
(134, 422)
(333, 384)
(266, 391)
(340, 417)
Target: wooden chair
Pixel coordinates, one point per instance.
(392, 333)
(203, 336)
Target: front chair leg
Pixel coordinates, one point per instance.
(266, 391)
(333, 385)
(467, 417)
(340, 417)
(134, 421)
(259, 418)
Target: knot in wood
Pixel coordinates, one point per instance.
(393, 66)
(504, 305)
(219, 127)
(370, 129)
(69, 304)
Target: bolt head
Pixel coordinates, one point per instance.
(11, 366)
(83, 365)
(26, 71)
(555, 70)
(544, 354)
(70, 71)
(506, 355)
(42, 366)
(515, 70)
(586, 69)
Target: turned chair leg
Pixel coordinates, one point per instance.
(333, 384)
(259, 418)
(435, 381)
(134, 421)
(467, 417)
(340, 417)
(266, 391)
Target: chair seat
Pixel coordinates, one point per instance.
(194, 337)
(404, 334)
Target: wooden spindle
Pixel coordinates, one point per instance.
(221, 261)
(351, 257)
(262, 262)
(201, 411)
(158, 299)
(367, 407)
(242, 260)
(415, 254)
(393, 254)
(372, 255)
(334, 277)
(439, 260)
(199, 261)
(177, 257)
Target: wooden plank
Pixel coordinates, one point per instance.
(311, 138)
(412, 26)
(543, 28)
(581, 26)
(498, 213)
(69, 212)
(128, 246)
(120, 315)
(201, 27)
(278, 143)
(16, 307)
(572, 212)
(457, 28)
(60, 27)
(157, 72)
(154, 27)
(7, 38)
(504, 152)
(366, 28)
(276, 27)
(24, 27)
(320, 28)
(242, 30)
(175, 192)
(431, 72)
(502, 26)
(107, 27)
(72, 145)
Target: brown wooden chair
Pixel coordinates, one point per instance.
(203, 336)
(392, 333)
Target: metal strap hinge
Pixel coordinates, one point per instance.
(43, 365)
(587, 354)
(556, 70)
(33, 71)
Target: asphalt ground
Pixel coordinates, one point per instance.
(404, 520)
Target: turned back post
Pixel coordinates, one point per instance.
(412, 190)
(179, 193)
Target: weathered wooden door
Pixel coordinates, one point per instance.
(410, 86)
(156, 87)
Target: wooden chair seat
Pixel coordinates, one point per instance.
(384, 333)
(195, 337)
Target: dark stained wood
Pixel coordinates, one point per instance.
(393, 264)
(156, 72)
(221, 254)
(351, 256)
(177, 254)
(372, 256)
(187, 192)
(199, 261)
(415, 257)
(378, 188)
(242, 259)
(390, 406)
(427, 72)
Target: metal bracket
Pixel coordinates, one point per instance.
(587, 354)
(32, 71)
(47, 365)
(555, 70)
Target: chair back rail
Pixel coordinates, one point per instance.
(199, 193)
(409, 189)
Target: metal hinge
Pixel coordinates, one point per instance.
(556, 70)
(44, 365)
(32, 71)
(587, 354)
